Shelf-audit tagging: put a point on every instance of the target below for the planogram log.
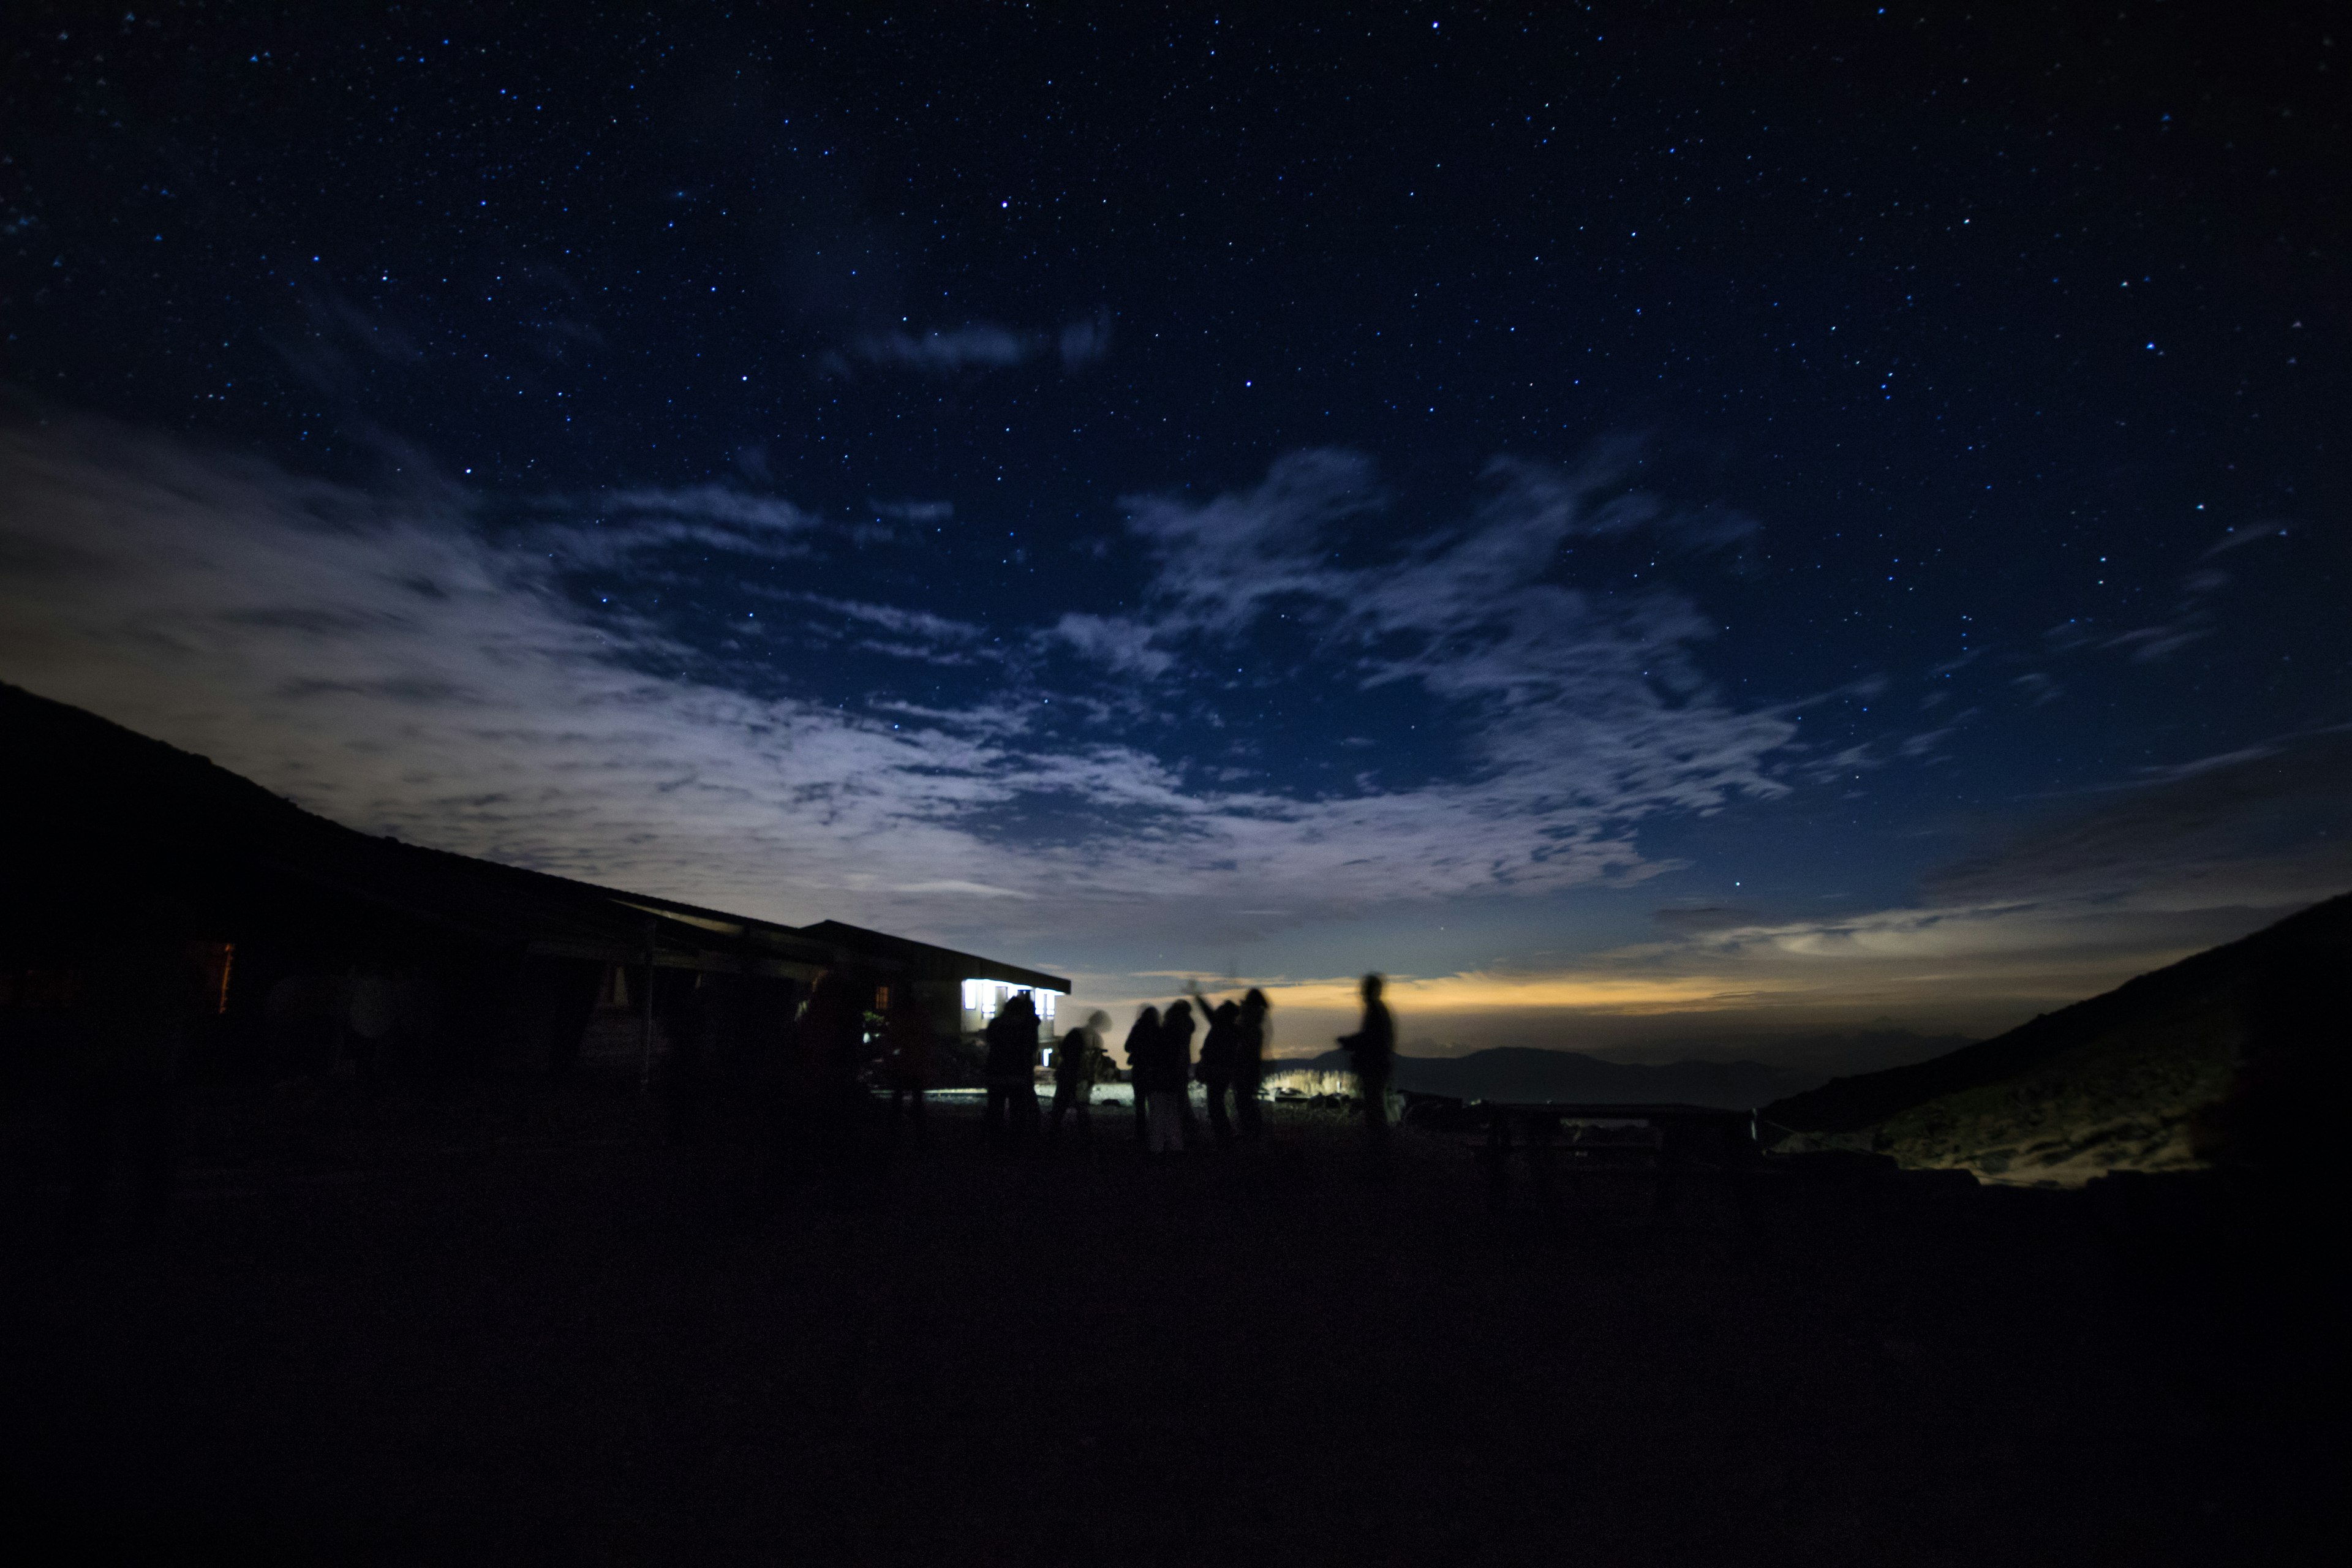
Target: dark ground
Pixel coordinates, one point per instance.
(518, 1327)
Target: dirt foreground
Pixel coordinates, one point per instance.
(522, 1327)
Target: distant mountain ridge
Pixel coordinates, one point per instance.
(1531, 1073)
(1828, 1053)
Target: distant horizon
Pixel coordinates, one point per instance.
(1434, 1048)
(1449, 1017)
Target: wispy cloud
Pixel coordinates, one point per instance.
(407, 667)
(1586, 709)
(1084, 342)
(2097, 889)
(1118, 645)
(2238, 538)
(401, 668)
(2265, 827)
(756, 515)
(402, 673)
(619, 524)
(914, 511)
(979, 345)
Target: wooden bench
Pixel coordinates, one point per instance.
(1666, 1146)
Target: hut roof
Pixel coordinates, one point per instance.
(925, 960)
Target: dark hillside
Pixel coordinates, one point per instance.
(2233, 1055)
(66, 769)
(108, 819)
(84, 792)
(2279, 959)
(143, 876)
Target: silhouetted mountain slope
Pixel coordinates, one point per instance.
(111, 831)
(1529, 1073)
(1848, 1104)
(108, 821)
(2228, 1052)
(65, 766)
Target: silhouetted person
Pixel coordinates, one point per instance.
(1374, 1047)
(1076, 1062)
(1171, 1076)
(1249, 1063)
(1012, 1070)
(908, 1064)
(1219, 1046)
(371, 1023)
(1142, 1044)
(830, 1040)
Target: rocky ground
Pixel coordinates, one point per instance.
(519, 1325)
(2232, 1062)
(2130, 1101)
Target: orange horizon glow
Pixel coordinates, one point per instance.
(1829, 989)
(1480, 991)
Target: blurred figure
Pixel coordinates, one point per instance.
(1142, 1043)
(1013, 1071)
(1219, 1047)
(1075, 1065)
(832, 1039)
(1171, 1075)
(1249, 1063)
(1374, 1047)
(907, 1063)
(370, 1020)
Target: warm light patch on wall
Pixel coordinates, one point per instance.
(214, 961)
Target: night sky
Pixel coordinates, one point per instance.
(1645, 523)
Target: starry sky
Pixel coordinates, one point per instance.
(1650, 524)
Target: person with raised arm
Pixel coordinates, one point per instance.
(1219, 1047)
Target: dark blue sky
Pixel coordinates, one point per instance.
(1748, 510)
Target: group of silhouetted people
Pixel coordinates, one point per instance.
(806, 1082)
(805, 1079)
(1231, 1069)
(1011, 1067)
